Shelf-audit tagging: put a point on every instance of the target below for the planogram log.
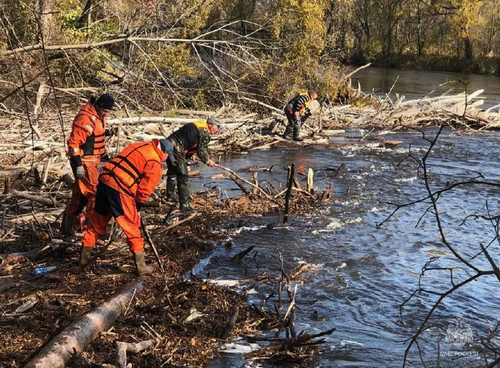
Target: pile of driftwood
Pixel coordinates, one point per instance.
(461, 111)
(37, 151)
(43, 139)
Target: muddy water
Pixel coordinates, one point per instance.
(363, 273)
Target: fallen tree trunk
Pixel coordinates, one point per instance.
(75, 338)
(36, 198)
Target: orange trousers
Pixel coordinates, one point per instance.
(84, 191)
(114, 203)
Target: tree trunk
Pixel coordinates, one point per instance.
(75, 338)
(45, 11)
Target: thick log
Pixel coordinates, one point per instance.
(39, 199)
(151, 119)
(79, 334)
(32, 216)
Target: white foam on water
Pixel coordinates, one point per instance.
(344, 343)
(406, 180)
(239, 348)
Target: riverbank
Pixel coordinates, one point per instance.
(53, 301)
(186, 319)
(479, 65)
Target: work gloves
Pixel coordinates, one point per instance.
(79, 172)
(111, 131)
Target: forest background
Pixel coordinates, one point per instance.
(194, 54)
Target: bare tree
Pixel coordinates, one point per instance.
(466, 269)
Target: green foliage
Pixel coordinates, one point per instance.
(171, 114)
(296, 44)
(175, 61)
(20, 27)
(70, 18)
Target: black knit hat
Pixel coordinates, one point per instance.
(105, 101)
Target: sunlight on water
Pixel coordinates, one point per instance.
(363, 274)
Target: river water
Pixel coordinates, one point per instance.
(363, 273)
(419, 83)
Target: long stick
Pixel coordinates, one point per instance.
(150, 241)
(291, 176)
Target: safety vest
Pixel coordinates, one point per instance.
(95, 143)
(201, 124)
(127, 169)
(304, 104)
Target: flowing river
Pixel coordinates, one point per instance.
(363, 273)
(419, 83)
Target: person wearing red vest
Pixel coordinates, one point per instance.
(295, 108)
(125, 183)
(190, 139)
(86, 146)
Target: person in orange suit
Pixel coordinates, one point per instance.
(125, 183)
(86, 146)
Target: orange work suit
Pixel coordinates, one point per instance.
(125, 183)
(86, 145)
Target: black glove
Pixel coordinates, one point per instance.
(138, 205)
(79, 172)
(111, 131)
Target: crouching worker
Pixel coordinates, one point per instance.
(125, 183)
(192, 139)
(297, 111)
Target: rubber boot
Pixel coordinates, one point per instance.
(170, 190)
(288, 132)
(296, 132)
(184, 197)
(85, 256)
(68, 226)
(141, 268)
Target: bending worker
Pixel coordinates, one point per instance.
(86, 146)
(125, 183)
(296, 107)
(191, 139)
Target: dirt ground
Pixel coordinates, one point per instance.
(35, 309)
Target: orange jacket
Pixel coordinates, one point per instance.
(136, 170)
(87, 135)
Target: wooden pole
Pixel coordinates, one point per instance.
(79, 334)
(291, 176)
